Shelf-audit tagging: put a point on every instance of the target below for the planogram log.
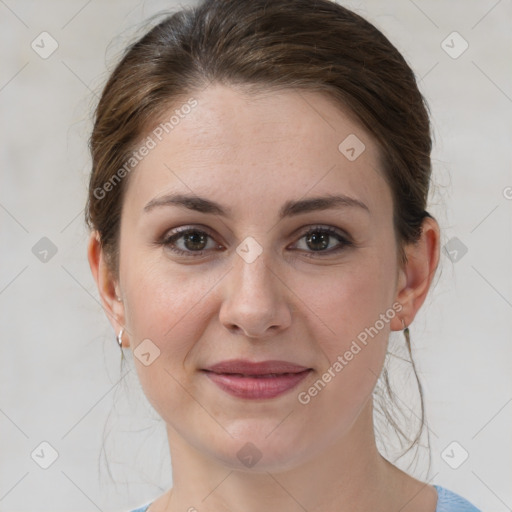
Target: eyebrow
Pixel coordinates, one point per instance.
(289, 209)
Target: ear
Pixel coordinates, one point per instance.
(416, 275)
(108, 285)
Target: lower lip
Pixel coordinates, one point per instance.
(256, 387)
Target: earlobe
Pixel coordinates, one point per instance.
(106, 283)
(417, 274)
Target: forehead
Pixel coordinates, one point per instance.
(276, 145)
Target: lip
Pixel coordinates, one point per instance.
(256, 380)
(246, 367)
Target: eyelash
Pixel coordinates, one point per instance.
(169, 241)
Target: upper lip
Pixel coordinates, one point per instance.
(246, 367)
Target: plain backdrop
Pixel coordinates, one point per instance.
(61, 383)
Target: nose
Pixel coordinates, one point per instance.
(255, 298)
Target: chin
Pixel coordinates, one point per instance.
(260, 448)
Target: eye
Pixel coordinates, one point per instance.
(194, 241)
(318, 240)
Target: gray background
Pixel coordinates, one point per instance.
(60, 374)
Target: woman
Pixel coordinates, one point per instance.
(259, 227)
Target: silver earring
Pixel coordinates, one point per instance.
(119, 337)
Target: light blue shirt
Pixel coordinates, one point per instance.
(447, 501)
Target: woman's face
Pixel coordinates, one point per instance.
(260, 288)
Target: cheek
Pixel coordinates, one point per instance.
(163, 304)
(353, 311)
(349, 300)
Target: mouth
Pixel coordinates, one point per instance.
(256, 380)
(254, 368)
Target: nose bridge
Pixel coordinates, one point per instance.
(252, 269)
(254, 299)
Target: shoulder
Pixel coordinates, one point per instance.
(141, 509)
(448, 501)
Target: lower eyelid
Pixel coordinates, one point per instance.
(170, 241)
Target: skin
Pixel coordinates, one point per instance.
(252, 153)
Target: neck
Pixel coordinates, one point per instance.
(348, 474)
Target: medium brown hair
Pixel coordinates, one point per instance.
(263, 45)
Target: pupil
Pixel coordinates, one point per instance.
(194, 238)
(322, 238)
